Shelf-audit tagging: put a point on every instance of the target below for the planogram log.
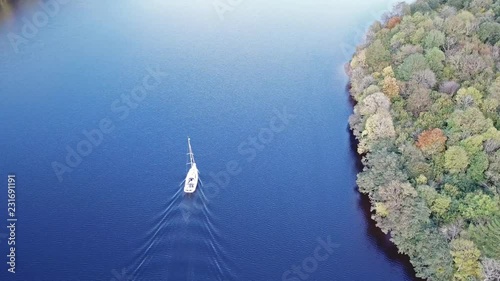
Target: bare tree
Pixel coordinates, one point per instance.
(449, 87)
(491, 145)
(450, 42)
(453, 230)
(425, 78)
(448, 11)
(491, 269)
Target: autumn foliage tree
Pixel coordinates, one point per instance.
(432, 141)
(392, 22)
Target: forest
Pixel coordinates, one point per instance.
(426, 87)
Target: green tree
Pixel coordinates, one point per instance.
(473, 145)
(469, 97)
(480, 6)
(456, 159)
(441, 205)
(412, 64)
(459, 4)
(487, 237)
(479, 206)
(466, 257)
(462, 24)
(493, 172)
(380, 167)
(490, 108)
(489, 32)
(465, 123)
(420, 6)
(377, 56)
(435, 57)
(434, 39)
(417, 36)
(478, 165)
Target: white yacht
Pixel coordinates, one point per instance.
(191, 181)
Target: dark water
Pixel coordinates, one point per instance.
(261, 93)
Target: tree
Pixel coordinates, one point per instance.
(394, 195)
(393, 22)
(479, 6)
(398, 40)
(494, 89)
(362, 84)
(467, 97)
(373, 103)
(434, 39)
(493, 172)
(466, 258)
(441, 205)
(487, 237)
(419, 101)
(491, 145)
(452, 230)
(379, 126)
(405, 51)
(381, 209)
(420, 6)
(428, 193)
(377, 55)
(391, 87)
(435, 57)
(413, 63)
(449, 87)
(478, 206)
(473, 145)
(358, 60)
(416, 165)
(380, 168)
(458, 4)
(417, 36)
(425, 78)
(456, 159)
(478, 164)
(490, 109)
(465, 123)
(489, 32)
(390, 84)
(432, 141)
(491, 269)
(464, 23)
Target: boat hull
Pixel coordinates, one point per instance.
(191, 181)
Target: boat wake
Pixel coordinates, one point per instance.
(183, 243)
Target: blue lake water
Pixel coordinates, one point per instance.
(261, 92)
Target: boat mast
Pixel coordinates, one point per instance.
(191, 156)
